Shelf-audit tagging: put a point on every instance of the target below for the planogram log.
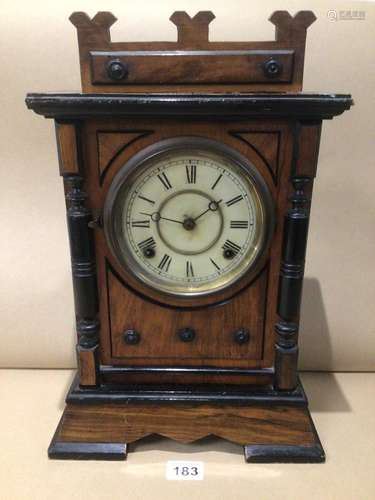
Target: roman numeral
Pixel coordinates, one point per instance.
(216, 182)
(189, 270)
(141, 223)
(216, 265)
(165, 263)
(234, 200)
(231, 247)
(191, 173)
(239, 224)
(147, 243)
(146, 199)
(164, 180)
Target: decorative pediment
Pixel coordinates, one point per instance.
(192, 63)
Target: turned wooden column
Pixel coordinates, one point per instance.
(290, 286)
(82, 254)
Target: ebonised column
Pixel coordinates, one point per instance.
(290, 286)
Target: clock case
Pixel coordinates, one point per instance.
(137, 373)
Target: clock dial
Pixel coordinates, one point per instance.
(189, 222)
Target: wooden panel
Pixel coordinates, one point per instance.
(214, 327)
(262, 352)
(88, 365)
(183, 67)
(112, 143)
(308, 148)
(265, 144)
(67, 148)
(186, 423)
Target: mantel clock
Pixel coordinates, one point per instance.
(188, 169)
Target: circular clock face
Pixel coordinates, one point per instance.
(189, 219)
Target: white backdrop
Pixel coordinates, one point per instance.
(39, 53)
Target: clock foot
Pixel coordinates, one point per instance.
(76, 450)
(87, 451)
(269, 453)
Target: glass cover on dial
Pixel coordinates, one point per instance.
(188, 221)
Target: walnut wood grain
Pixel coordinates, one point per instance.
(308, 149)
(186, 423)
(88, 365)
(111, 143)
(214, 328)
(266, 145)
(192, 67)
(123, 300)
(192, 63)
(66, 136)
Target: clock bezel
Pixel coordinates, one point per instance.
(139, 163)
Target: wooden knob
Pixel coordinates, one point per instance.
(131, 337)
(186, 334)
(241, 336)
(272, 68)
(116, 70)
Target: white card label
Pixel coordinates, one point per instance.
(179, 470)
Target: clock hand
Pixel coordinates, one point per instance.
(212, 207)
(155, 216)
(171, 220)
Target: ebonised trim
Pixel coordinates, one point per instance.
(201, 370)
(83, 263)
(234, 105)
(270, 453)
(197, 394)
(296, 223)
(87, 451)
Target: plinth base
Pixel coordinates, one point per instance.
(268, 432)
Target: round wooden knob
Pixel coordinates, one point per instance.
(186, 334)
(272, 68)
(131, 337)
(241, 336)
(116, 70)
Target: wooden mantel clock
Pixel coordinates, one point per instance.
(188, 169)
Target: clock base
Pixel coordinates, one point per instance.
(270, 430)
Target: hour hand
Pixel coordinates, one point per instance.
(155, 216)
(212, 207)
